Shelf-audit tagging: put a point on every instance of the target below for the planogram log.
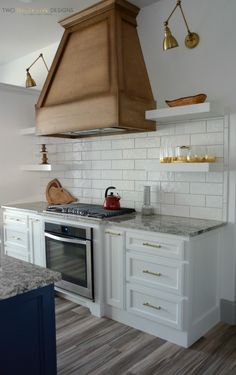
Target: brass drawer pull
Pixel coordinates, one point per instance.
(147, 304)
(151, 245)
(113, 233)
(152, 273)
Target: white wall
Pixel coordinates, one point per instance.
(16, 112)
(14, 73)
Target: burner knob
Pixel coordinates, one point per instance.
(83, 213)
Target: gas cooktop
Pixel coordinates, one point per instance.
(87, 210)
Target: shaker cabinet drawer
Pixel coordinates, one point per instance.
(18, 253)
(15, 218)
(14, 237)
(159, 307)
(155, 272)
(155, 244)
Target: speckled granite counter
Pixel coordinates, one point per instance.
(18, 277)
(180, 226)
(35, 207)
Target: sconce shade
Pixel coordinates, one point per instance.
(30, 82)
(192, 40)
(169, 41)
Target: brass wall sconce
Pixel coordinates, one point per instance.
(191, 40)
(30, 82)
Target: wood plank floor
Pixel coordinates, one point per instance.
(89, 345)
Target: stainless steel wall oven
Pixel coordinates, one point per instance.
(69, 250)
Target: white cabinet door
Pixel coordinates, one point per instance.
(36, 240)
(115, 274)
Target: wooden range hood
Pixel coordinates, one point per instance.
(98, 83)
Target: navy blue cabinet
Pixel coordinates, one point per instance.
(27, 333)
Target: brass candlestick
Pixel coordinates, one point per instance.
(44, 153)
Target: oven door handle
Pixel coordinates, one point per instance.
(64, 239)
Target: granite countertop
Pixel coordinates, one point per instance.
(180, 226)
(17, 276)
(35, 207)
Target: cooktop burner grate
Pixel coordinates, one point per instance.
(89, 210)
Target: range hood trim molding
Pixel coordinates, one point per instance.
(97, 9)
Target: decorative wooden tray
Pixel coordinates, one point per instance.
(55, 193)
(187, 100)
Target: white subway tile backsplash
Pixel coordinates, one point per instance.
(134, 175)
(206, 213)
(101, 145)
(175, 187)
(122, 164)
(174, 210)
(139, 185)
(112, 174)
(174, 141)
(131, 161)
(111, 155)
(94, 193)
(207, 139)
(161, 176)
(206, 188)
(81, 183)
(91, 174)
(123, 185)
(68, 182)
(69, 156)
(101, 164)
(100, 184)
(216, 151)
(72, 174)
(153, 153)
(106, 174)
(163, 130)
(190, 200)
(77, 155)
(138, 153)
(123, 144)
(165, 198)
(191, 127)
(215, 125)
(83, 165)
(191, 177)
(130, 196)
(214, 177)
(214, 201)
(82, 146)
(147, 142)
(91, 155)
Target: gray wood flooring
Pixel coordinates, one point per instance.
(89, 345)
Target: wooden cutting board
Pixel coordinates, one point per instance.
(56, 194)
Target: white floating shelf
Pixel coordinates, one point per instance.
(186, 112)
(188, 167)
(28, 131)
(48, 167)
